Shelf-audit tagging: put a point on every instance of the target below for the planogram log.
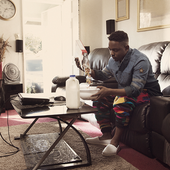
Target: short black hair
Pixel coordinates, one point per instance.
(119, 36)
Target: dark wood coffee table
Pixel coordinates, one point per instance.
(54, 111)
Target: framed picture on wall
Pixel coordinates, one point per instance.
(122, 10)
(153, 14)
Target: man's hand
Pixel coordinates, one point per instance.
(104, 91)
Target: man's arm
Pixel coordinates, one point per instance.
(139, 78)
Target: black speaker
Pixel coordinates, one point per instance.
(110, 26)
(19, 46)
(8, 90)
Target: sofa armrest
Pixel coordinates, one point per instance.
(159, 109)
(139, 120)
(53, 88)
(61, 81)
(109, 83)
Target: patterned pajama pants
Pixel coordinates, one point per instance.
(122, 106)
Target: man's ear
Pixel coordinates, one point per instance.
(127, 47)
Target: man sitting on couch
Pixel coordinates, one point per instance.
(136, 84)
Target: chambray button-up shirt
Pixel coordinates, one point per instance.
(132, 74)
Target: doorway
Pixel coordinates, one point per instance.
(48, 28)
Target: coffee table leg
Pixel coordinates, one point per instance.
(22, 135)
(85, 145)
(59, 125)
(54, 144)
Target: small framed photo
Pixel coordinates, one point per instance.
(122, 10)
(153, 14)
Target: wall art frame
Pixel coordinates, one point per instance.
(153, 14)
(122, 10)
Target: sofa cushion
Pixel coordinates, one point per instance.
(164, 81)
(154, 52)
(166, 91)
(99, 58)
(165, 60)
(164, 77)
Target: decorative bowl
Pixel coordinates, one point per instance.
(87, 91)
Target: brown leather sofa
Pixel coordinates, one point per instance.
(149, 128)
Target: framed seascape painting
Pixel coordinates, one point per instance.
(153, 14)
(122, 10)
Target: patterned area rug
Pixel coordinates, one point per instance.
(17, 161)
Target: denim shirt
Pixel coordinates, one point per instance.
(133, 73)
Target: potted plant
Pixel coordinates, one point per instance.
(3, 48)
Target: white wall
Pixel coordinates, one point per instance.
(8, 29)
(91, 23)
(93, 16)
